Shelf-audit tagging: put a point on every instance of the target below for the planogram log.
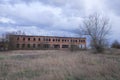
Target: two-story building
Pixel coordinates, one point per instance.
(26, 42)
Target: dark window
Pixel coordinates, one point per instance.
(34, 39)
(18, 38)
(46, 45)
(58, 40)
(18, 45)
(28, 39)
(39, 39)
(83, 40)
(49, 39)
(53, 40)
(38, 45)
(23, 39)
(34, 45)
(57, 46)
(28, 45)
(65, 46)
(23, 45)
(62, 40)
(76, 40)
(65, 40)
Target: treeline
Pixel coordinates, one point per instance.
(4, 40)
(115, 44)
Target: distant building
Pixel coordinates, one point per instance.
(25, 42)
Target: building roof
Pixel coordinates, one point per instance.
(49, 36)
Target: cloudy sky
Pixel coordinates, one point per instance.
(55, 17)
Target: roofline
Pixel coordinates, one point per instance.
(49, 36)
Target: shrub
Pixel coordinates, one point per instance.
(115, 44)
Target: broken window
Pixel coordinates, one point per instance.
(65, 46)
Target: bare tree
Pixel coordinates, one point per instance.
(98, 28)
(5, 42)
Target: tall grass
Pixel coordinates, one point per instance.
(59, 65)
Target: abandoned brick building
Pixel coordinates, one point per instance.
(45, 42)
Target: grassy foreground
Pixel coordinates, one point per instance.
(59, 65)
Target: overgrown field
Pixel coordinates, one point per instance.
(59, 65)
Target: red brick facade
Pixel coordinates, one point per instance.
(45, 42)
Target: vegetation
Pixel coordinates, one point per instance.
(98, 28)
(115, 44)
(59, 65)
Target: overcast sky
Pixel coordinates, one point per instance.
(55, 17)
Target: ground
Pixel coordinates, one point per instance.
(59, 65)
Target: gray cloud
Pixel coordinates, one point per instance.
(114, 6)
(38, 14)
(54, 15)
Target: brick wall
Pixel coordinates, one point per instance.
(45, 42)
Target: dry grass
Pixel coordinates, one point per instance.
(58, 65)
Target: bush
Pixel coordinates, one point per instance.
(115, 44)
